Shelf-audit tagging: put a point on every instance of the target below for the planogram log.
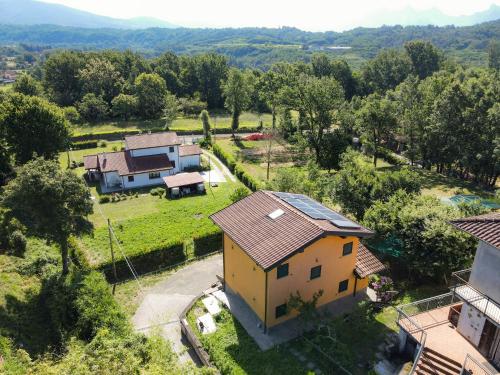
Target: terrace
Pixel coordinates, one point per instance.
(461, 287)
(431, 323)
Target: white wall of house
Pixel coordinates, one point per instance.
(190, 161)
(112, 178)
(485, 274)
(471, 324)
(142, 179)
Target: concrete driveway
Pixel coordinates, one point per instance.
(165, 301)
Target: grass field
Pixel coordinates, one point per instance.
(247, 119)
(147, 222)
(253, 156)
(234, 352)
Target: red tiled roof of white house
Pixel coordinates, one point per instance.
(187, 150)
(151, 140)
(123, 163)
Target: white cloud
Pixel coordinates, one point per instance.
(308, 15)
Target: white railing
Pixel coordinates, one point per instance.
(472, 367)
(412, 326)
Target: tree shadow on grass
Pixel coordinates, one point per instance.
(27, 322)
(277, 360)
(351, 340)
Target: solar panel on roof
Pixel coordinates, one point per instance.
(345, 224)
(316, 210)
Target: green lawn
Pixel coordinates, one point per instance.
(234, 352)
(146, 222)
(247, 119)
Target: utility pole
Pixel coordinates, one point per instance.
(112, 256)
(269, 145)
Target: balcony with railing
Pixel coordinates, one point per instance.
(462, 289)
(431, 324)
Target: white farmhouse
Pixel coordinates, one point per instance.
(147, 158)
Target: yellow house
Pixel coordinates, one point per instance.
(277, 244)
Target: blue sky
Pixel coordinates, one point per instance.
(314, 15)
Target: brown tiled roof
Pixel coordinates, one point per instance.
(186, 150)
(269, 241)
(183, 179)
(134, 142)
(90, 162)
(484, 227)
(367, 263)
(123, 163)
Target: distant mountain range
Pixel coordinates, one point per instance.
(412, 17)
(30, 12)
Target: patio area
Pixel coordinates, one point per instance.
(443, 337)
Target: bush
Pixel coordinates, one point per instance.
(191, 107)
(97, 309)
(92, 108)
(71, 114)
(157, 192)
(207, 243)
(17, 242)
(238, 194)
(104, 199)
(102, 144)
(83, 145)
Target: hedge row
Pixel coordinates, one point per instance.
(236, 168)
(153, 260)
(208, 243)
(83, 145)
(120, 134)
(159, 258)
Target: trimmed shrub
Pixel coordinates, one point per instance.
(153, 260)
(83, 145)
(104, 199)
(208, 243)
(157, 192)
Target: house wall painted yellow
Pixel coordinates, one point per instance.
(335, 268)
(248, 279)
(244, 277)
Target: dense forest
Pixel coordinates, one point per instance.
(261, 47)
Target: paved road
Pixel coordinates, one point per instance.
(165, 301)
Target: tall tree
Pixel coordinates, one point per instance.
(316, 99)
(100, 77)
(211, 71)
(171, 109)
(494, 55)
(408, 102)
(237, 90)
(425, 58)
(269, 88)
(387, 70)
(31, 125)
(27, 85)
(205, 121)
(150, 91)
(51, 203)
(376, 122)
(60, 77)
